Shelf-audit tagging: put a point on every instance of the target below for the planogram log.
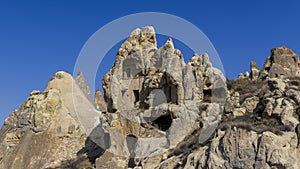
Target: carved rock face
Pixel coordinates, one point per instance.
(155, 91)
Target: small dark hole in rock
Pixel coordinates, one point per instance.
(163, 122)
(136, 96)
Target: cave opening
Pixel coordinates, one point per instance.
(163, 122)
(136, 96)
(207, 95)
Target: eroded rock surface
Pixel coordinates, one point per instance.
(44, 132)
(157, 111)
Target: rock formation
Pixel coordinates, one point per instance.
(159, 112)
(283, 62)
(44, 132)
(99, 101)
(254, 70)
(80, 81)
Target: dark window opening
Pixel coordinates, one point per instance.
(267, 68)
(163, 122)
(207, 95)
(272, 59)
(131, 163)
(295, 83)
(136, 96)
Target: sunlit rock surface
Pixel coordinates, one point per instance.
(156, 111)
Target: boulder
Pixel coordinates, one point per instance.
(250, 103)
(277, 84)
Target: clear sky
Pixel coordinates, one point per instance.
(41, 37)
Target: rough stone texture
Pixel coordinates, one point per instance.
(232, 102)
(160, 112)
(254, 71)
(241, 76)
(147, 83)
(240, 111)
(44, 132)
(99, 102)
(83, 86)
(283, 62)
(250, 103)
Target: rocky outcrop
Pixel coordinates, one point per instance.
(283, 63)
(156, 98)
(44, 132)
(239, 148)
(159, 112)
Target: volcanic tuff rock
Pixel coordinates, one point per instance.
(154, 87)
(44, 132)
(160, 112)
(283, 63)
(80, 81)
(99, 102)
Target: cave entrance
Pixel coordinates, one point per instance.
(136, 94)
(207, 95)
(163, 122)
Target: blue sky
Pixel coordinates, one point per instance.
(39, 38)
